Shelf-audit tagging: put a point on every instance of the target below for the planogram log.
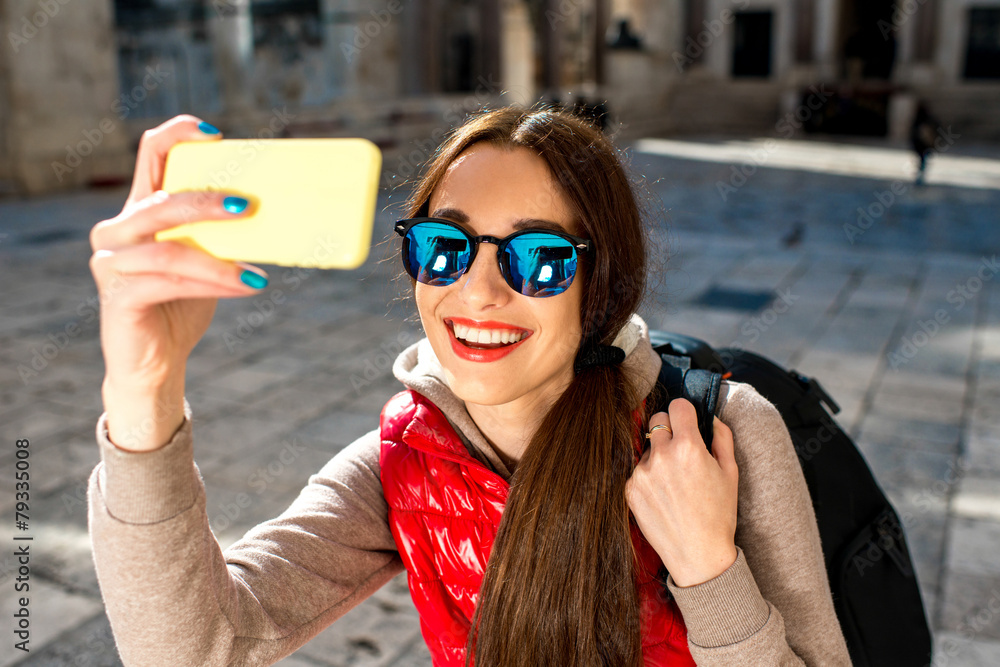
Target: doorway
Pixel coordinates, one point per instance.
(752, 44)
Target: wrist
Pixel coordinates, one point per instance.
(707, 567)
(142, 419)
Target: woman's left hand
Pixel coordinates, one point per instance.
(684, 498)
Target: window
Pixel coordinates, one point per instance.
(164, 59)
(982, 55)
(290, 65)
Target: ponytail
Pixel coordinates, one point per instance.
(559, 585)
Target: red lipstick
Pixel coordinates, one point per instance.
(463, 351)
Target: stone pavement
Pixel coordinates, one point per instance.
(902, 326)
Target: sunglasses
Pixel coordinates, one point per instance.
(534, 262)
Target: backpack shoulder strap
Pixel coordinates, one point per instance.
(701, 387)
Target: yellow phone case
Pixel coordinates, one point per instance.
(315, 199)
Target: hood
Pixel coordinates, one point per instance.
(418, 368)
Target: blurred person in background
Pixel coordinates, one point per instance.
(923, 132)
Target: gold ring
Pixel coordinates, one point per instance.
(657, 428)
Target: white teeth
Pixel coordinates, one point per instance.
(486, 336)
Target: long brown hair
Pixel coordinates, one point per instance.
(559, 586)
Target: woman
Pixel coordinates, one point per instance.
(526, 402)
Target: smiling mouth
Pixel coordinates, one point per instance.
(482, 338)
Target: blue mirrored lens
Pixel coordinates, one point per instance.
(436, 254)
(540, 264)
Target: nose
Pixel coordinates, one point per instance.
(483, 285)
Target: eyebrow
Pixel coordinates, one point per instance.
(522, 223)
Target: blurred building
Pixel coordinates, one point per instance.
(838, 66)
(80, 81)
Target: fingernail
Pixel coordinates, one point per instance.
(208, 128)
(235, 204)
(254, 280)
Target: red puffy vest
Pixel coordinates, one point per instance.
(444, 512)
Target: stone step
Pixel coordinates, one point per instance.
(972, 109)
(724, 107)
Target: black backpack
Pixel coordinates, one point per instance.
(868, 563)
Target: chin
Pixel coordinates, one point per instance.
(482, 388)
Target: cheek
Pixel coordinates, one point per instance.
(575, 311)
(426, 297)
(566, 324)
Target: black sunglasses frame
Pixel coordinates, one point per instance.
(580, 244)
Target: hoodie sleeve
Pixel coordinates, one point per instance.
(175, 598)
(773, 606)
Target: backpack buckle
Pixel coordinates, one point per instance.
(889, 539)
(812, 386)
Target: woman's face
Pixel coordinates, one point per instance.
(488, 190)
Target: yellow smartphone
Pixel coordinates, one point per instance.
(314, 199)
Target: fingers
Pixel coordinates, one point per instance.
(723, 448)
(162, 210)
(163, 271)
(153, 148)
(660, 419)
(143, 290)
(684, 419)
(680, 419)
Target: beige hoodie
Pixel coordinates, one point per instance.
(175, 598)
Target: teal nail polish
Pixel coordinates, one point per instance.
(235, 204)
(208, 128)
(254, 280)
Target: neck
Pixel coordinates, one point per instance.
(506, 433)
(509, 427)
